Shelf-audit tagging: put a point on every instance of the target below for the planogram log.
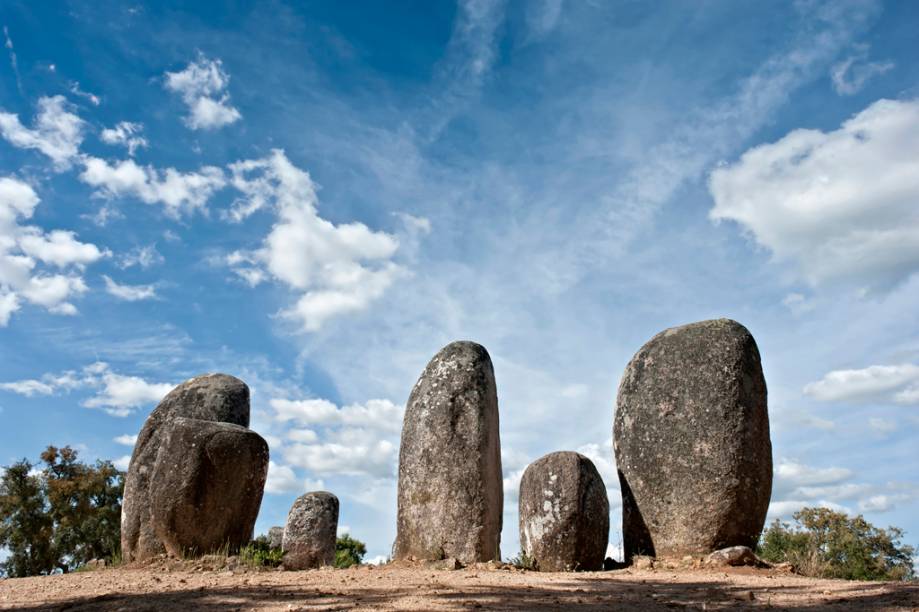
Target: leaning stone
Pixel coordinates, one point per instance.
(212, 397)
(207, 486)
(691, 439)
(275, 537)
(733, 555)
(310, 533)
(450, 483)
(564, 513)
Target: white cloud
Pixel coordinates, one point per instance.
(57, 132)
(126, 439)
(282, 479)
(145, 257)
(117, 394)
(23, 248)
(851, 74)
(125, 133)
(791, 474)
(377, 414)
(884, 426)
(202, 85)
(882, 503)
(336, 268)
(880, 383)
(302, 435)
(75, 90)
(841, 205)
(28, 388)
(120, 395)
(178, 192)
(122, 463)
(374, 458)
(129, 293)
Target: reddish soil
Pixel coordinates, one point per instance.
(190, 586)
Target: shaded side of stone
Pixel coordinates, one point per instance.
(275, 537)
(311, 531)
(211, 397)
(564, 513)
(450, 482)
(207, 486)
(691, 438)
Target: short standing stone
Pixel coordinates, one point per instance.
(212, 397)
(691, 439)
(311, 530)
(450, 482)
(275, 537)
(564, 513)
(207, 486)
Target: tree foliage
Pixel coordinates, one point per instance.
(828, 544)
(349, 551)
(61, 516)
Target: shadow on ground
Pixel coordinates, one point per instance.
(585, 593)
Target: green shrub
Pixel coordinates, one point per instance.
(349, 551)
(259, 553)
(828, 544)
(523, 561)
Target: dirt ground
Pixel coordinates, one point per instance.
(393, 588)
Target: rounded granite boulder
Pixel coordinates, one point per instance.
(311, 532)
(450, 484)
(564, 513)
(207, 486)
(211, 397)
(691, 439)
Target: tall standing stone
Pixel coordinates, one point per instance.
(450, 484)
(216, 398)
(691, 438)
(564, 513)
(311, 531)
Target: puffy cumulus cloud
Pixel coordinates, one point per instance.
(179, 192)
(282, 479)
(368, 457)
(126, 439)
(56, 132)
(851, 74)
(898, 384)
(126, 134)
(129, 293)
(336, 269)
(122, 463)
(377, 414)
(202, 86)
(26, 251)
(841, 205)
(116, 394)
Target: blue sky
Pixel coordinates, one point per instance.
(316, 197)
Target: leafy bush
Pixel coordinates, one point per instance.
(61, 517)
(523, 561)
(259, 553)
(829, 544)
(349, 551)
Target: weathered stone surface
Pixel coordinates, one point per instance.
(733, 555)
(276, 537)
(691, 437)
(310, 533)
(450, 484)
(206, 487)
(564, 513)
(212, 397)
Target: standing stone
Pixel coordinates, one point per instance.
(212, 397)
(691, 438)
(564, 513)
(311, 531)
(207, 485)
(276, 537)
(450, 484)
